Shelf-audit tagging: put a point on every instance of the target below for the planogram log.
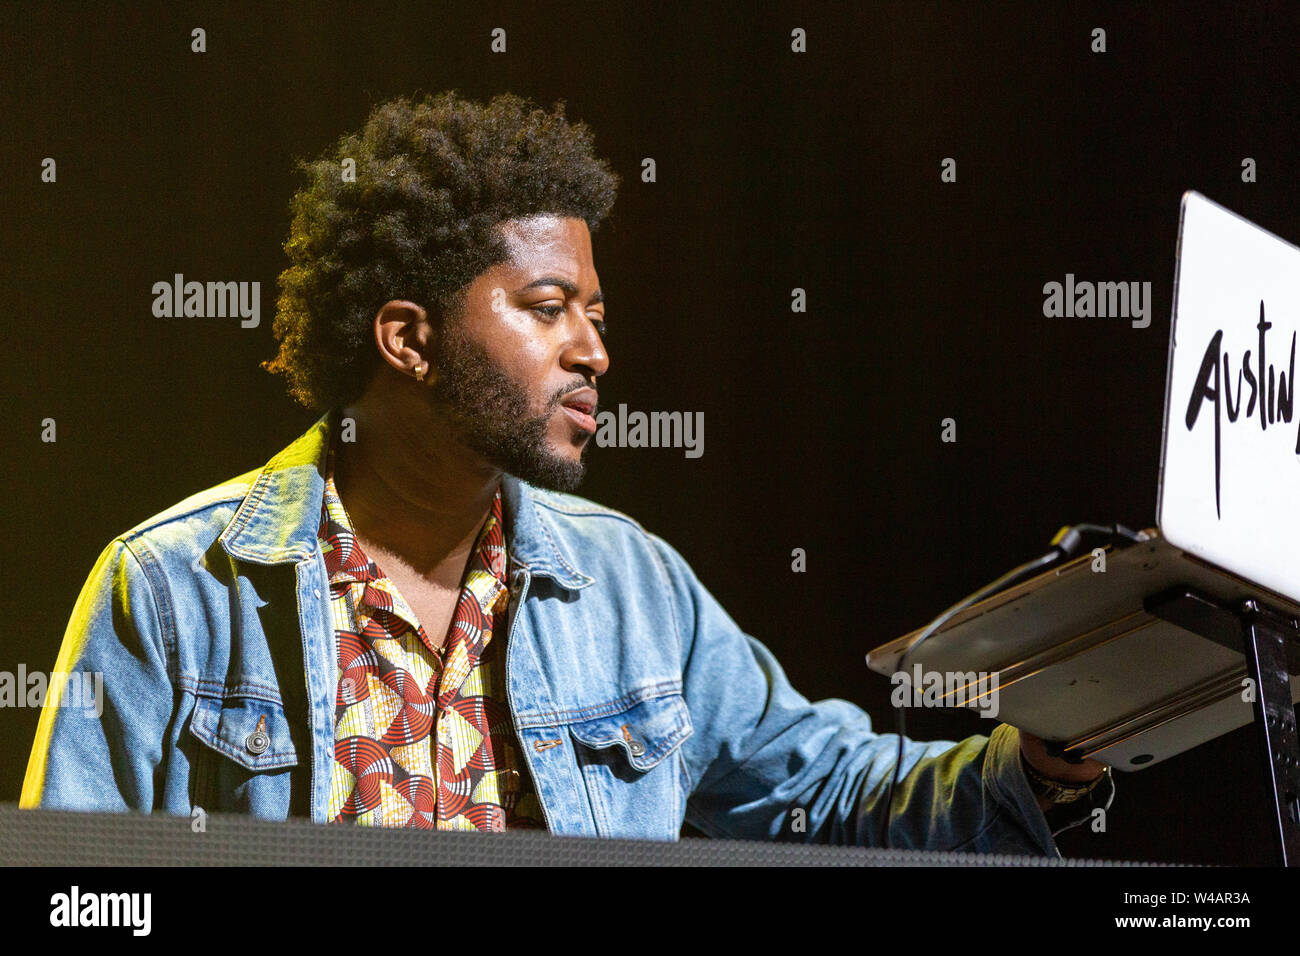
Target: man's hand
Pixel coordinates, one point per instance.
(1054, 768)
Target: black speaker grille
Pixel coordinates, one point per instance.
(58, 838)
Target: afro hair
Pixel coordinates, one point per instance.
(414, 216)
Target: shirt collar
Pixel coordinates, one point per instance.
(277, 521)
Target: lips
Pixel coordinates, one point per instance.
(580, 406)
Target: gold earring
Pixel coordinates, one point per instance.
(420, 371)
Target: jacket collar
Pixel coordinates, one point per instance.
(277, 521)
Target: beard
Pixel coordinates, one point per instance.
(491, 414)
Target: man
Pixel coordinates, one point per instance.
(404, 619)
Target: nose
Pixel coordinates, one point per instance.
(584, 352)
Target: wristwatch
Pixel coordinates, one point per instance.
(1056, 792)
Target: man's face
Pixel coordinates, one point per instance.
(517, 372)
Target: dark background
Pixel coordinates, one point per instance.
(775, 170)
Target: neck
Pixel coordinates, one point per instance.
(411, 491)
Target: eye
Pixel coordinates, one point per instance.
(551, 311)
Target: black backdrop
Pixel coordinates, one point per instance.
(776, 170)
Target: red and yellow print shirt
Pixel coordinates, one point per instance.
(423, 735)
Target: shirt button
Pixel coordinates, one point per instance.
(316, 592)
(257, 742)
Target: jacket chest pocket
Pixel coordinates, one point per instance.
(244, 764)
(632, 767)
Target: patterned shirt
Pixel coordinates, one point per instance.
(423, 735)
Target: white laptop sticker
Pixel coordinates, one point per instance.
(1230, 467)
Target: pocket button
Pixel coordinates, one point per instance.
(257, 742)
(635, 746)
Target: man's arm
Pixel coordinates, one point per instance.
(105, 756)
(765, 763)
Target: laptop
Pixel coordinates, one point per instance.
(1073, 655)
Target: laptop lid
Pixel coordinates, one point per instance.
(1229, 490)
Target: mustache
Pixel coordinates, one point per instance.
(559, 394)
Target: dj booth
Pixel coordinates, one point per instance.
(65, 839)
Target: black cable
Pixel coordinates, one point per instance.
(1064, 545)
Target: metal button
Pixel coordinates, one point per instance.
(635, 746)
(259, 739)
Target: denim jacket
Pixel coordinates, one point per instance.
(638, 702)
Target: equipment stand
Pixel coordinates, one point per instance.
(1268, 640)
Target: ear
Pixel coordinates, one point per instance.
(405, 338)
